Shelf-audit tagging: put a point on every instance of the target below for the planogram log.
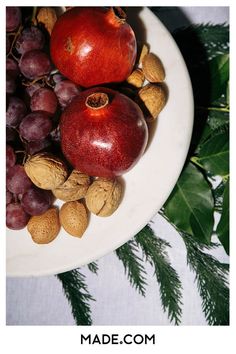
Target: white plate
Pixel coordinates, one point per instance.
(147, 185)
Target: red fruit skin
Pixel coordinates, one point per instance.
(91, 46)
(105, 142)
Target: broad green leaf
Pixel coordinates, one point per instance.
(219, 70)
(190, 205)
(200, 225)
(217, 122)
(214, 154)
(223, 225)
(217, 119)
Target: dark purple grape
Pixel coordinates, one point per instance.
(12, 67)
(16, 217)
(44, 99)
(10, 156)
(9, 197)
(65, 91)
(34, 64)
(10, 83)
(17, 180)
(13, 18)
(29, 39)
(35, 146)
(11, 135)
(16, 111)
(36, 201)
(35, 126)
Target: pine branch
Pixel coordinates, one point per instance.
(132, 264)
(93, 267)
(76, 291)
(211, 277)
(154, 249)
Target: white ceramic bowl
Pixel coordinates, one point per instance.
(147, 185)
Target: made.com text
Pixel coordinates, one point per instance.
(118, 339)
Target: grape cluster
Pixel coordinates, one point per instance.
(35, 95)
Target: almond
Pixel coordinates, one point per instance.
(152, 68)
(44, 228)
(73, 218)
(144, 52)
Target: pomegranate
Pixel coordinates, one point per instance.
(93, 46)
(103, 132)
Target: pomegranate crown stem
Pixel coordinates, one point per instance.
(97, 100)
(116, 15)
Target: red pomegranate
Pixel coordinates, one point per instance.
(103, 133)
(93, 45)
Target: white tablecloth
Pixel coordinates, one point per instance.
(40, 301)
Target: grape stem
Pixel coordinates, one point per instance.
(13, 43)
(30, 83)
(45, 81)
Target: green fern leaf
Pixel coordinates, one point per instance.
(154, 250)
(76, 291)
(132, 264)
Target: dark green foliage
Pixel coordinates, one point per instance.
(190, 206)
(93, 267)
(133, 265)
(154, 251)
(212, 282)
(76, 291)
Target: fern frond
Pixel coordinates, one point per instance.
(93, 267)
(154, 250)
(133, 265)
(76, 291)
(212, 282)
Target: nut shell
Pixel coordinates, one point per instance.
(152, 68)
(144, 52)
(44, 228)
(104, 196)
(153, 97)
(47, 16)
(74, 188)
(46, 171)
(136, 78)
(73, 218)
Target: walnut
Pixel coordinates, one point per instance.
(74, 188)
(152, 99)
(44, 228)
(48, 17)
(104, 196)
(136, 78)
(73, 218)
(46, 171)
